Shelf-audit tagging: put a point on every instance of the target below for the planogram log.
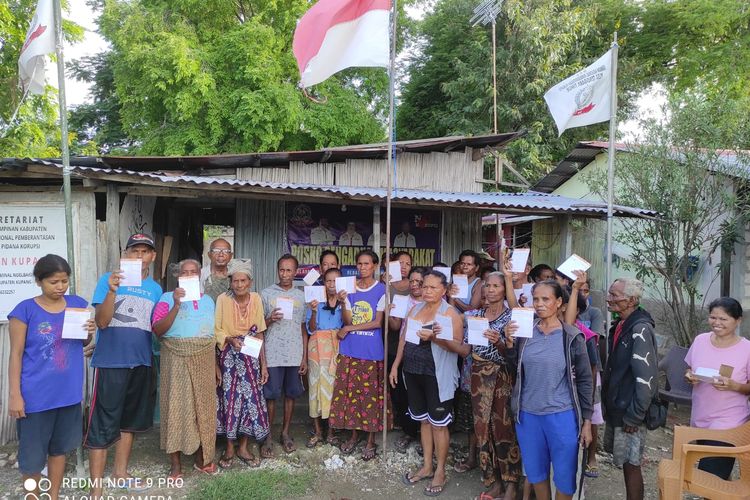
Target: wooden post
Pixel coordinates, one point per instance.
(566, 238)
(113, 227)
(376, 243)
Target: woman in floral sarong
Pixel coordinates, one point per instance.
(187, 402)
(242, 412)
(492, 377)
(323, 322)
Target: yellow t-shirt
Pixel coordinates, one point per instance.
(232, 322)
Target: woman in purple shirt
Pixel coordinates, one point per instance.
(45, 375)
(357, 403)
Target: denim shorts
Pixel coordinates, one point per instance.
(625, 446)
(283, 381)
(47, 433)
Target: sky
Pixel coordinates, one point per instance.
(649, 102)
(77, 92)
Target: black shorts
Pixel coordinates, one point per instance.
(283, 381)
(123, 400)
(47, 433)
(424, 400)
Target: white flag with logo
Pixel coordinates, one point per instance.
(40, 41)
(583, 98)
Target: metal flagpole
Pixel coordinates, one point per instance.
(611, 162)
(389, 163)
(66, 172)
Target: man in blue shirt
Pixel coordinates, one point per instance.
(122, 401)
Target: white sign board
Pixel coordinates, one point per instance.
(27, 232)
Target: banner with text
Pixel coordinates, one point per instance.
(312, 228)
(27, 232)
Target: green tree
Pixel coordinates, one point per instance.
(690, 167)
(701, 46)
(98, 121)
(195, 77)
(35, 131)
(684, 43)
(539, 43)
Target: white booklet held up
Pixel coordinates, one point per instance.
(525, 290)
(524, 316)
(462, 282)
(574, 263)
(286, 305)
(445, 271)
(412, 327)
(476, 328)
(706, 374)
(311, 277)
(315, 293)
(394, 270)
(192, 287)
(400, 306)
(446, 326)
(518, 259)
(131, 272)
(251, 346)
(74, 323)
(346, 283)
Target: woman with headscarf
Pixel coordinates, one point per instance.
(187, 383)
(242, 412)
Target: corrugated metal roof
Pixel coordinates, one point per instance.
(585, 152)
(283, 158)
(530, 203)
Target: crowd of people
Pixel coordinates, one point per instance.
(528, 403)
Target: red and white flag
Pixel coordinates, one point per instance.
(40, 41)
(583, 98)
(339, 34)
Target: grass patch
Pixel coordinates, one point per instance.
(253, 485)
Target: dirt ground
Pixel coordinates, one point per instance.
(351, 478)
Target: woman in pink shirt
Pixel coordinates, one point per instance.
(723, 402)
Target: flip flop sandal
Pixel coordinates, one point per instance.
(369, 453)
(463, 466)
(314, 441)
(251, 461)
(348, 448)
(410, 480)
(226, 462)
(485, 496)
(266, 451)
(210, 469)
(175, 477)
(287, 444)
(591, 471)
(334, 441)
(433, 491)
(402, 444)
